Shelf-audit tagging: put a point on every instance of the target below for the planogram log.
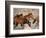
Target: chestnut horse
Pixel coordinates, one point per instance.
(20, 19)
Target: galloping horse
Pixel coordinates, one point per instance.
(20, 19)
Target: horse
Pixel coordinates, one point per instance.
(30, 16)
(20, 19)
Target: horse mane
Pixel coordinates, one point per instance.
(18, 15)
(28, 15)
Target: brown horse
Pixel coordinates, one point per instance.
(30, 16)
(20, 19)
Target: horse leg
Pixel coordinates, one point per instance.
(16, 24)
(29, 23)
(21, 24)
